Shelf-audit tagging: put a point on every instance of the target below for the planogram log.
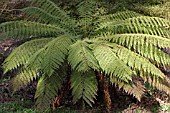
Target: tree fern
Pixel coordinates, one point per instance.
(123, 47)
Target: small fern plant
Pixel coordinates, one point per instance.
(124, 48)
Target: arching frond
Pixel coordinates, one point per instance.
(24, 77)
(36, 59)
(141, 21)
(111, 64)
(30, 71)
(113, 20)
(42, 16)
(120, 28)
(135, 61)
(144, 44)
(150, 22)
(131, 40)
(41, 62)
(84, 87)
(82, 59)
(47, 90)
(21, 54)
(138, 25)
(155, 55)
(26, 29)
(54, 10)
(53, 54)
(123, 15)
(147, 69)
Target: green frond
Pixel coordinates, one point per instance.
(145, 45)
(136, 88)
(81, 57)
(42, 61)
(84, 87)
(115, 19)
(47, 90)
(123, 15)
(55, 52)
(24, 77)
(131, 40)
(120, 27)
(139, 21)
(155, 55)
(86, 8)
(111, 64)
(135, 61)
(149, 22)
(138, 25)
(107, 25)
(42, 16)
(21, 54)
(149, 72)
(26, 29)
(51, 8)
(35, 60)
(52, 55)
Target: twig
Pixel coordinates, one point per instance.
(3, 9)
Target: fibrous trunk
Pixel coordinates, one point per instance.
(106, 95)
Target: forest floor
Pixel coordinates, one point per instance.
(22, 102)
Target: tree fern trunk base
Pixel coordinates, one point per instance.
(107, 95)
(63, 92)
(105, 87)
